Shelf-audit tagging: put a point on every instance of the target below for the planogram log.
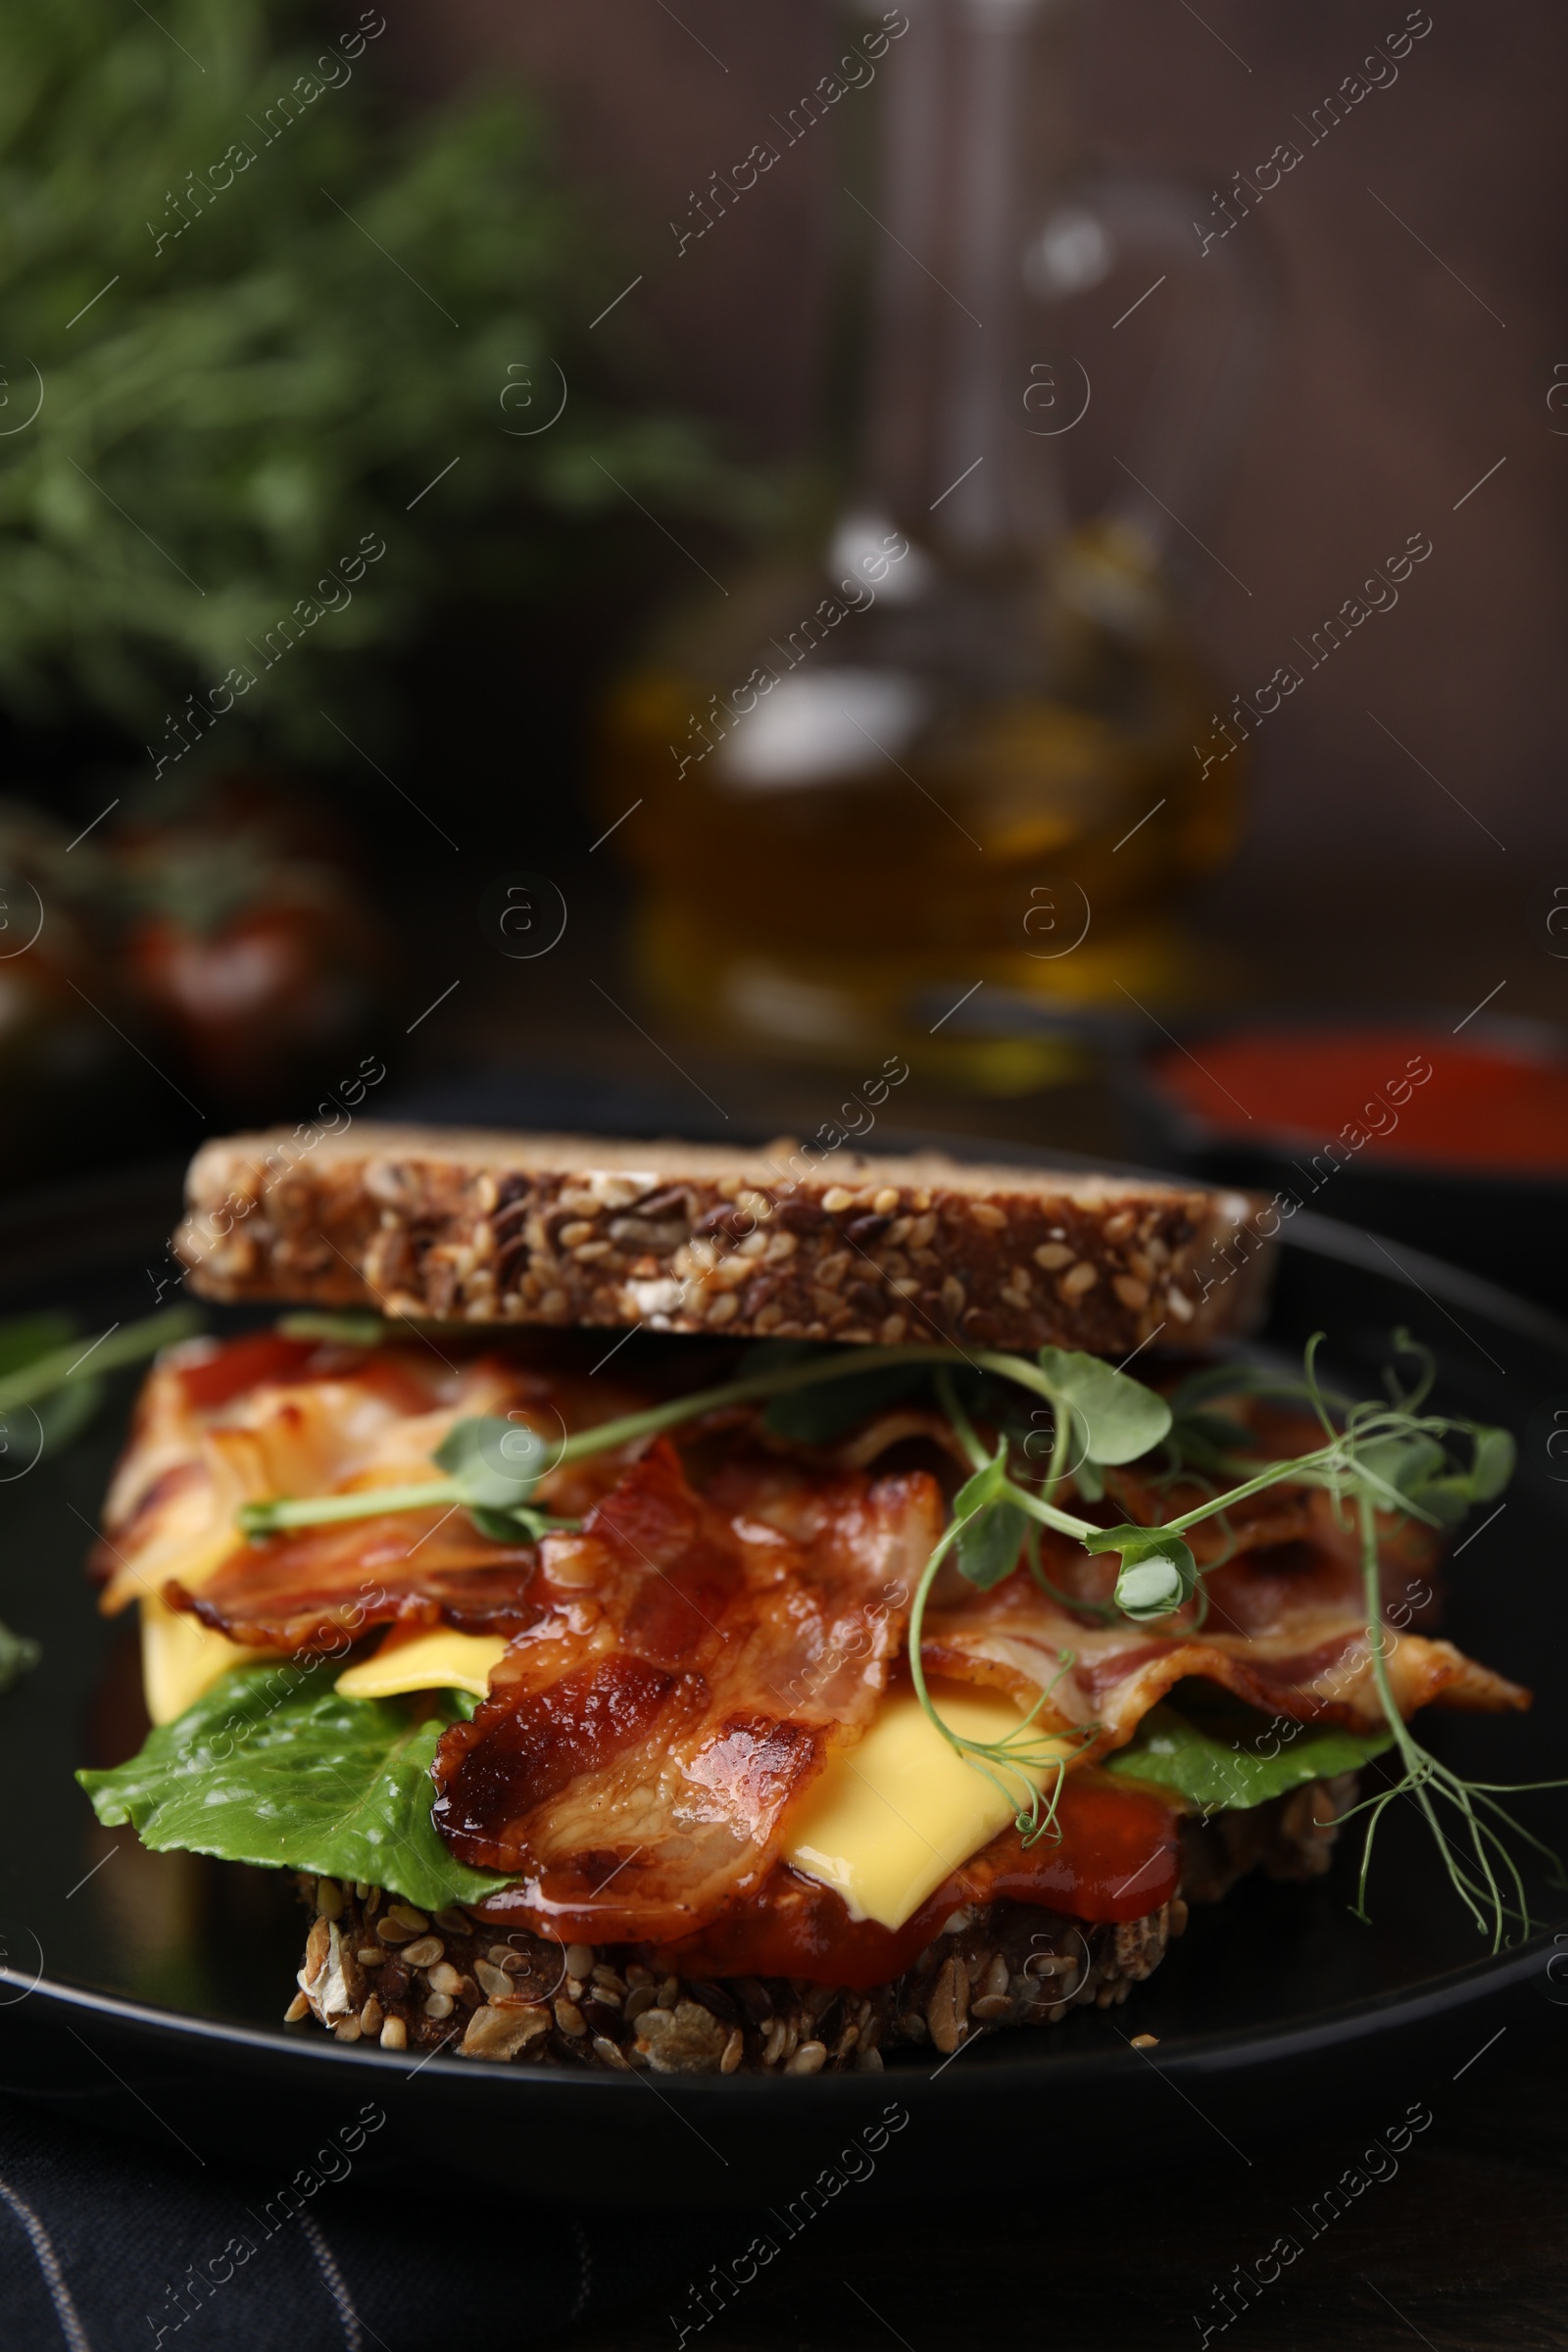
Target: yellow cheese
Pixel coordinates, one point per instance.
(181, 1659)
(424, 1658)
(891, 1817)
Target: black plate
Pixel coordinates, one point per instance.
(148, 1989)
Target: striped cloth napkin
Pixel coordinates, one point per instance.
(108, 2247)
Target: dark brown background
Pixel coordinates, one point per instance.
(1389, 389)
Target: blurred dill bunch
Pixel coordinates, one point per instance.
(248, 311)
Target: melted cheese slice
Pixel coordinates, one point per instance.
(886, 1823)
(891, 1817)
(181, 1659)
(424, 1658)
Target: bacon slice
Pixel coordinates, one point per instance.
(218, 1426)
(1286, 1631)
(643, 1738)
(299, 1592)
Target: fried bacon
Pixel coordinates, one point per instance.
(218, 1426)
(1286, 1631)
(297, 1592)
(641, 1739)
(1285, 1627)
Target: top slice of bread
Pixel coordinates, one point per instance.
(571, 1229)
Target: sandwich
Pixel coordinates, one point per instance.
(705, 1610)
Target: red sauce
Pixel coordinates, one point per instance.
(241, 1363)
(1117, 1857)
(266, 1356)
(1388, 1094)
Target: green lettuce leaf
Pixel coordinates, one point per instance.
(18, 1656)
(1215, 1775)
(270, 1767)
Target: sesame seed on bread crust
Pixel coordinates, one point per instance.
(566, 1230)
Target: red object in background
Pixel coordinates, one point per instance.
(65, 1078)
(252, 944)
(1480, 1104)
(249, 999)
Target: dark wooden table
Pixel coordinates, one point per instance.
(1458, 2241)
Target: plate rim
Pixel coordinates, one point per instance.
(1221, 2052)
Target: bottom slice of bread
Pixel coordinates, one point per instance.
(378, 1969)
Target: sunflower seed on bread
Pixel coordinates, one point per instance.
(563, 1230)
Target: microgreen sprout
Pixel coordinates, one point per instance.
(493, 1467)
(1016, 1763)
(782, 1370)
(40, 1356)
(1476, 1865)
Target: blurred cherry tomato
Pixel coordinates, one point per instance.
(250, 941)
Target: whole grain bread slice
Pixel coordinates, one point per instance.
(1049, 1965)
(571, 1229)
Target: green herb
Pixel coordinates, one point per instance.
(990, 1528)
(1215, 1775)
(262, 307)
(270, 1767)
(48, 1372)
(780, 1376)
(342, 1331)
(495, 1465)
(1474, 1871)
(24, 1338)
(29, 1340)
(43, 1362)
(1012, 1763)
(1158, 1575)
(19, 1654)
(1119, 1419)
